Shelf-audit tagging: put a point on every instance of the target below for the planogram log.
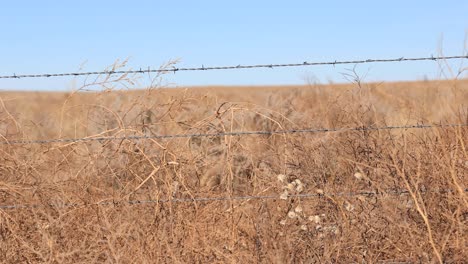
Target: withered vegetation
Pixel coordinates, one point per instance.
(72, 198)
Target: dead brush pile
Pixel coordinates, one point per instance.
(351, 196)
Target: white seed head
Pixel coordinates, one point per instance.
(298, 209)
(283, 222)
(298, 182)
(292, 214)
(300, 188)
(304, 227)
(314, 218)
(290, 187)
(348, 206)
(358, 176)
(284, 195)
(281, 177)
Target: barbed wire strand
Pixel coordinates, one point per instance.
(233, 198)
(237, 67)
(240, 133)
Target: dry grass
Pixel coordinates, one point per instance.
(426, 225)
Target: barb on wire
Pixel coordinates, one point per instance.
(236, 67)
(391, 192)
(240, 133)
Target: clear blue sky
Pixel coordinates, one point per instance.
(58, 36)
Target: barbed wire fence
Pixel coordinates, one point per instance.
(233, 198)
(236, 67)
(239, 133)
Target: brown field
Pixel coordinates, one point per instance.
(77, 193)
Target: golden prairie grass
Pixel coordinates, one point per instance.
(96, 179)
